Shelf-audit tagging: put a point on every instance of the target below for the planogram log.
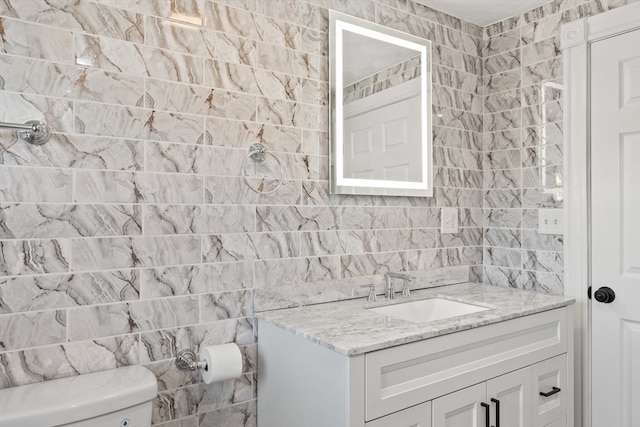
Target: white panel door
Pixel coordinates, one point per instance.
(462, 408)
(510, 396)
(384, 143)
(615, 229)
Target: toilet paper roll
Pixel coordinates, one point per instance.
(224, 362)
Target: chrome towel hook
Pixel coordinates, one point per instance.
(258, 153)
(34, 132)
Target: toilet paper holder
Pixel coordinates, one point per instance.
(186, 360)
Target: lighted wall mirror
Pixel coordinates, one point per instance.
(380, 104)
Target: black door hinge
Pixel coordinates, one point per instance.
(589, 292)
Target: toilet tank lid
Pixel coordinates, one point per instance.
(65, 400)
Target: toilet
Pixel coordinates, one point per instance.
(118, 397)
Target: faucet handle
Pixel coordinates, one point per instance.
(372, 297)
(406, 291)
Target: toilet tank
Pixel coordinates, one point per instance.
(118, 397)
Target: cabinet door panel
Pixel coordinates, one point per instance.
(416, 416)
(461, 409)
(512, 394)
(546, 375)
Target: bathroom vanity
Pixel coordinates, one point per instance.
(508, 363)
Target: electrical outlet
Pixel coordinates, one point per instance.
(550, 221)
(449, 220)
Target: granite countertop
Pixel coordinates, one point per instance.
(347, 327)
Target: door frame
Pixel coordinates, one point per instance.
(576, 38)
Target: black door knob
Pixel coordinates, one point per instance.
(605, 295)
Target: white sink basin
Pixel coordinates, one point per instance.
(428, 310)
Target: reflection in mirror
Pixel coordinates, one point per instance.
(380, 128)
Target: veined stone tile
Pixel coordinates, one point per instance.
(33, 329)
(500, 27)
(69, 359)
(550, 70)
(407, 239)
(456, 138)
(315, 142)
(166, 343)
(458, 79)
(544, 155)
(22, 184)
(231, 20)
(370, 264)
(508, 198)
(542, 198)
(501, 43)
(547, 26)
(435, 15)
(541, 282)
(72, 151)
(458, 197)
(448, 97)
(195, 159)
(313, 91)
(502, 237)
(127, 252)
(195, 219)
(502, 140)
(242, 414)
(280, 112)
(31, 293)
(177, 97)
(126, 187)
(226, 305)
(503, 159)
(18, 257)
(36, 41)
(238, 78)
(503, 178)
(234, 190)
(117, 319)
(464, 237)
(251, 246)
(502, 101)
(280, 33)
(457, 158)
(541, 114)
(169, 378)
(408, 23)
(502, 82)
(542, 93)
(314, 42)
(322, 243)
(548, 177)
(87, 17)
(503, 218)
(459, 119)
(503, 277)
(137, 123)
(541, 51)
(502, 257)
(174, 66)
(547, 134)
(67, 81)
(184, 8)
(457, 60)
(530, 219)
(166, 34)
(61, 220)
(233, 133)
(502, 62)
(472, 29)
(108, 54)
(19, 108)
(545, 261)
(277, 272)
(373, 217)
(276, 58)
(531, 239)
(195, 279)
(296, 218)
(458, 178)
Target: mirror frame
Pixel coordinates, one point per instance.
(338, 184)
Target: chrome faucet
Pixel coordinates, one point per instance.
(391, 290)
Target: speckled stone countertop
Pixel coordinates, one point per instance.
(347, 327)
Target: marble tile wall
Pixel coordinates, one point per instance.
(522, 125)
(131, 233)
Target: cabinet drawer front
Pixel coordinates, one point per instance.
(413, 373)
(416, 416)
(545, 376)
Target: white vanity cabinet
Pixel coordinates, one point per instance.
(436, 382)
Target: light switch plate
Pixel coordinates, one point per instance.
(449, 220)
(550, 221)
